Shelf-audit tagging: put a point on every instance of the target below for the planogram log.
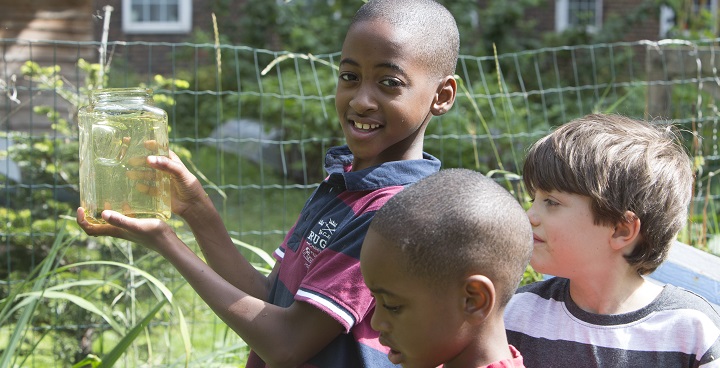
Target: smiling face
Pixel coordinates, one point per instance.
(423, 326)
(567, 242)
(385, 94)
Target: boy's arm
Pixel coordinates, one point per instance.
(220, 252)
(282, 337)
(190, 202)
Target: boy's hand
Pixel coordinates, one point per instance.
(185, 187)
(148, 232)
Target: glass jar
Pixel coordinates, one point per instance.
(119, 129)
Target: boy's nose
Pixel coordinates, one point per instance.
(377, 323)
(363, 100)
(532, 216)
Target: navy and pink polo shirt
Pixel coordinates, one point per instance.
(319, 259)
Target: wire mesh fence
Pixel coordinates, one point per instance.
(254, 125)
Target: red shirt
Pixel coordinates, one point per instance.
(515, 362)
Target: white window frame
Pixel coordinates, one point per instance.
(182, 25)
(562, 16)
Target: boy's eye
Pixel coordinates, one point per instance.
(550, 202)
(391, 83)
(392, 308)
(348, 77)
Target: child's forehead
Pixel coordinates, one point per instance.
(382, 31)
(381, 40)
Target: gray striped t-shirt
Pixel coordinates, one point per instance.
(678, 329)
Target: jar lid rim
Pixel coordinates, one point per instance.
(124, 90)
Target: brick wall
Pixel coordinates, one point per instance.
(46, 19)
(55, 20)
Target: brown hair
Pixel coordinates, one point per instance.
(623, 165)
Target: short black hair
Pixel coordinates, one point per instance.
(434, 27)
(457, 223)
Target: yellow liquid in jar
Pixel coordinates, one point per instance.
(113, 166)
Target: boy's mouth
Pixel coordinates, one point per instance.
(394, 356)
(364, 126)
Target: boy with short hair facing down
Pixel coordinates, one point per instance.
(442, 258)
(610, 194)
(396, 71)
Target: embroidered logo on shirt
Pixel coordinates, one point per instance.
(318, 239)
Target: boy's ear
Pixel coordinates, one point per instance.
(479, 294)
(626, 232)
(444, 96)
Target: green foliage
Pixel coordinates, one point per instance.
(285, 92)
(530, 276)
(52, 287)
(691, 21)
(286, 25)
(23, 320)
(32, 214)
(503, 25)
(318, 26)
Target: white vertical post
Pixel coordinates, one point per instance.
(103, 43)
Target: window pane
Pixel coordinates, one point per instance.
(154, 8)
(581, 13)
(157, 16)
(137, 14)
(173, 12)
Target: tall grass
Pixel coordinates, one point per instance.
(47, 283)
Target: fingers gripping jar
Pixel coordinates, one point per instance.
(119, 129)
